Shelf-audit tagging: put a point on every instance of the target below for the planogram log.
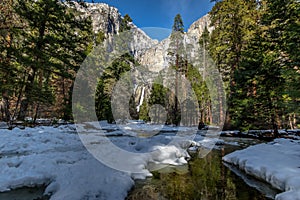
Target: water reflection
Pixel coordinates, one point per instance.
(25, 193)
(206, 178)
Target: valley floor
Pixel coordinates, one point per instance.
(56, 158)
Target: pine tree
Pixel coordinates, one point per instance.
(253, 46)
(178, 24)
(159, 97)
(202, 95)
(233, 29)
(124, 26)
(291, 70)
(264, 76)
(177, 53)
(280, 62)
(144, 112)
(110, 77)
(54, 42)
(8, 70)
(204, 99)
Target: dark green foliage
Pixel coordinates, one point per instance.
(204, 39)
(204, 95)
(100, 37)
(201, 92)
(132, 109)
(255, 49)
(177, 54)
(160, 96)
(106, 84)
(255, 45)
(178, 24)
(10, 71)
(233, 21)
(144, 112)
(42, 44)
(280, 63)
(124, 26)
(51, 43)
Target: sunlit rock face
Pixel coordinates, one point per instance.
(108, 19)
(197, 28)
(148, 52)
(152, 55)
(157, 58)
(105, 18)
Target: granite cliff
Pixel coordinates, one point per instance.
(151, 54)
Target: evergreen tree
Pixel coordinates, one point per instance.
(200, 87)
(54, 42)
(110, 77)
(144, 112)
(266, 75)
(233, 22)
(159, 97)
(252, 44)
(280, 21)
(124, 26)
(178, 24)
(8, 70)
(177, 53)
(134, 114)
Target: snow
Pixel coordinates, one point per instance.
(262, 187)
(47, 155)
(277, 163)
(57, 158)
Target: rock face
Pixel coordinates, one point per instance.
(157, 58)
(151, 54)
(104, 17)
(107, 19)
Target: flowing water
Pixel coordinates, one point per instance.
(205, 178)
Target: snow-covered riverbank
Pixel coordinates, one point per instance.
(57, 158)
(277, 163)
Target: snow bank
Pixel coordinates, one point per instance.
(169, 155)
(277, 163)
(57, 158)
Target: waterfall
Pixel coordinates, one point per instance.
(141, 100)
(135, 88)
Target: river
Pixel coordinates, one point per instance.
(205, 178)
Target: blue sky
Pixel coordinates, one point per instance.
(160, 13)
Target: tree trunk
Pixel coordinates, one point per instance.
(5, 108)
(221, 108)
(36, 113)
(227, 124)
(295, 121)
(273, 117)
(210, 114)
(176, 91)
(291, 122)
(25, 101)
